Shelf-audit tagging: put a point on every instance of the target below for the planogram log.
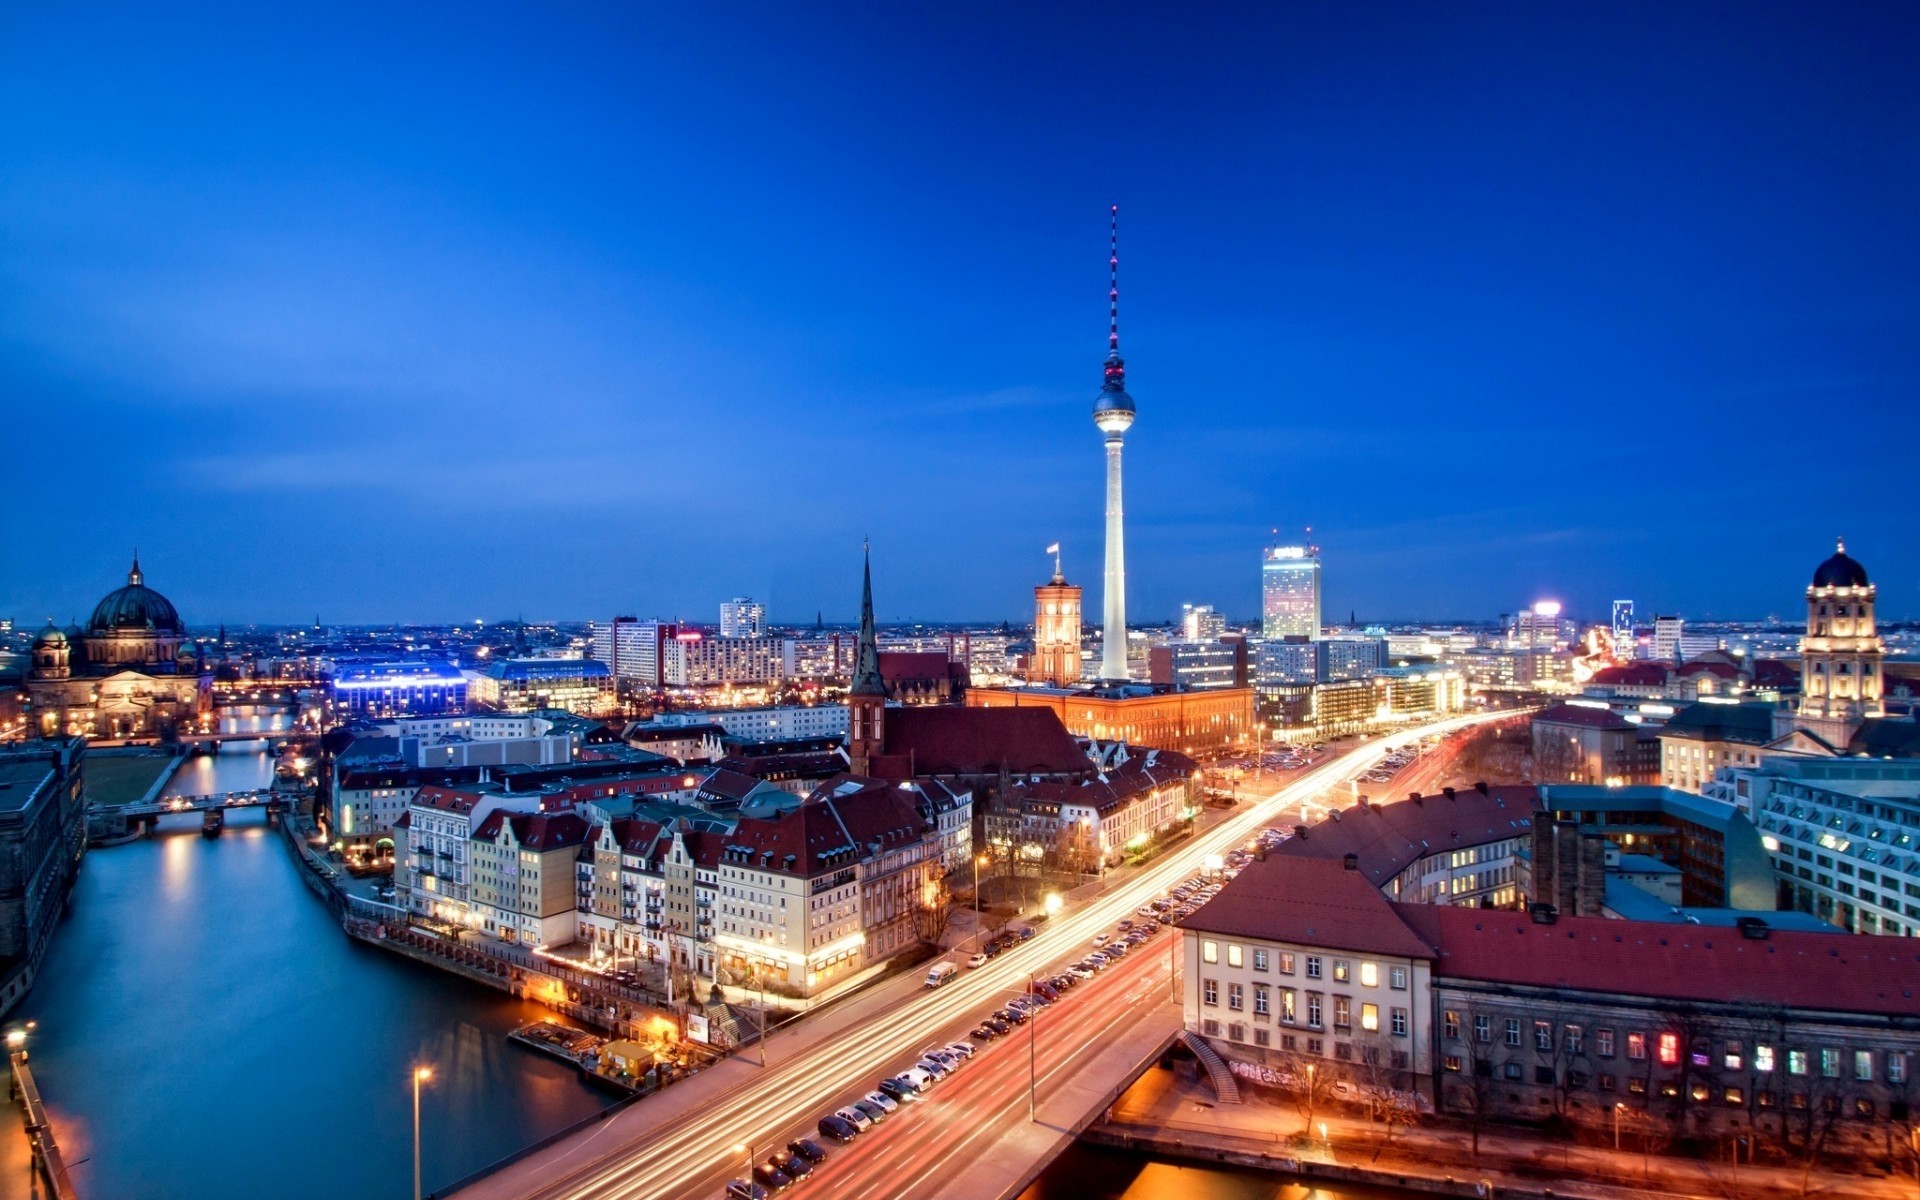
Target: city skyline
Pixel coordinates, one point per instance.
(385, 321)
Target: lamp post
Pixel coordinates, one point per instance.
(1033, 1058)
(746, 1149)
(978, 932)
(420, 1076)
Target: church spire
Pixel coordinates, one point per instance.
(866, 669)
(133, 575)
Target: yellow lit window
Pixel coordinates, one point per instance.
(1369, 974)
(1370, 1017)
(1210, 952)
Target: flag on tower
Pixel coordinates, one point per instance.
(1054, 549)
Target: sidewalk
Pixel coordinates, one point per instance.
(1167, 1114)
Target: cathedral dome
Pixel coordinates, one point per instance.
(1840, 571)
(134, 607)
(49, 638)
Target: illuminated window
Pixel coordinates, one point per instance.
(1763, 1058)
(1863, 1065)
(1233, 955)
(1342, 972)
(1796, 1062)
(1210, 952)
(1669, 1049)
(1369, 975)
(1370, 1017)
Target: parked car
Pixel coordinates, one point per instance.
(854, 1117)
(998, 1024)
(873, 1112)
(899, 1091)
(1026, 932)
(809, 1150)
(982, 1032)
(934, 1067)
(917, 1078)
(1012, 1015)
(978, 960)
(745, 1189)
(1099, 939)
(792, 1165)
(963, 1049)
(838, 1128)
(771, 1177)
(1080, 971)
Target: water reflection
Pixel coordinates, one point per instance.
(206, 1031)
(1094, 1173)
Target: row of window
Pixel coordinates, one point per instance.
(1398, 1019)
(1315, 965)
(1667, 1050)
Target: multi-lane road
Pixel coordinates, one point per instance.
(693, 1154)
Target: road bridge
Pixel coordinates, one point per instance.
(266, 798)
(681, 1142)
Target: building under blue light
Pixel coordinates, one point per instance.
(398, 688)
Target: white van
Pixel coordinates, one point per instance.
(942, 971)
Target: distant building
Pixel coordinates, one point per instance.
(783, 723)
(1056, 632)
(743, 617)
(579, 685)
(1290, 592)
(1701, 738)
(129, 672)
(1198, 666)
(1666, 638)
(1200, 623)
(1841, 656)
(632, 649)
(1197, 724)
(693, 659)
(1622, 629)
(1588, 743)
(397, 689)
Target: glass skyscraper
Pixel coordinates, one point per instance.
(1290, 592)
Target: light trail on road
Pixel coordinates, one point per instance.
(694, 1157)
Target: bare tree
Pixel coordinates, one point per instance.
(933, 912)
(1388, 1102)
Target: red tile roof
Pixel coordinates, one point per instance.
(1583, 716)
(983, 741)
(1388, 838)
(1820, 971)
(1639, 674)
(1315, 902)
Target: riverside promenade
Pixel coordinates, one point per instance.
(1171, 1116)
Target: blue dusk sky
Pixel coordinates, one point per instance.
(406, 311)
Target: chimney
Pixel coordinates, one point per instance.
(1447, 792)
(1300, 831)
(1543, 914)
(1414, 796)
(1480, 785)
(1351, 862)
(1752, 927)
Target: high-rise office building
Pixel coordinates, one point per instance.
(632, 648)
(742, 617)
(1290, 592)
(1056, 629)
(1113, 415)
(1666, 637)
(1623, 629)
(1200, 623)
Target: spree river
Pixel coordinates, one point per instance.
(206, 1032)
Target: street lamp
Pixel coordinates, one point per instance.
(420, 1076)
(745, 1149)
(977, 930)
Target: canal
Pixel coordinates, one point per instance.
(205, 1031)
(1098, 1173)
